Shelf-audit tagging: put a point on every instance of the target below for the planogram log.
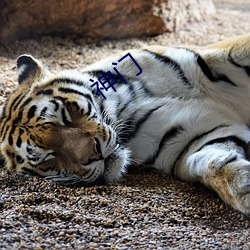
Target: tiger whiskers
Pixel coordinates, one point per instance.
(121, 127)
(137, 163)
(64, 178)
(117, 125)
(68, 180)
(105, 117)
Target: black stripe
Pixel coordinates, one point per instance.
(19, 159)
(100, 74)
(73, 91)
(146, 90)
(10, 139)
(231, 160)
(209, 74)
(43, 111)
(29, 149)
(16, 121)
(173, 64)
(131, 91)
(118, 114)
(19, 118)
(68, 81)
(3, 124)
(42, 114)
(64, 117)
(96, 73)
(19, 142)
(56, 105)
(195, 139)
(213, 77)
(9, 153)
(123, 105)
(3, 134)
(138, 124)
(26, 103)
(45, 92)
(101, 105)
(231, 60)
(3, 127)
(89, 109)
(94, 116)
(169, 135)
(21, 131)
(232, 138)
(10, 109)
(205, 69)
(132, 98)
(70, 91)
(17, 101)
(34, 158)
(31, 112)
(13, 128)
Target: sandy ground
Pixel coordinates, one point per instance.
(146, 210)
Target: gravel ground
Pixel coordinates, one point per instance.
(146, 210)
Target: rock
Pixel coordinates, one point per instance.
(98, 19)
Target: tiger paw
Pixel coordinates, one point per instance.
(232, 182)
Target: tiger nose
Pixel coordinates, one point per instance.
(96, 153)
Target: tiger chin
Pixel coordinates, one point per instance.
(182, 110)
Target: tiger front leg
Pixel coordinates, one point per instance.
(225, 171)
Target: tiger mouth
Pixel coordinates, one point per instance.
(111, 155)
(97, 156)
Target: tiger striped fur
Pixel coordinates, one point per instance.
(186, 114)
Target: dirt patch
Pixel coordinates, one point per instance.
(146, 210)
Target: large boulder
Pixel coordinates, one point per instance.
(98, 19)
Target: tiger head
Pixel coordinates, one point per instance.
(52, 126)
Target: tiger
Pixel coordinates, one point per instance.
(181, 110)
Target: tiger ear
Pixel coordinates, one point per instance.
(29, 69)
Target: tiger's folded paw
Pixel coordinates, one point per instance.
(232, 182)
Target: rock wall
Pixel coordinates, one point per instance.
(98, 19)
